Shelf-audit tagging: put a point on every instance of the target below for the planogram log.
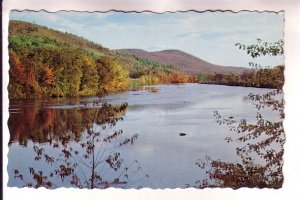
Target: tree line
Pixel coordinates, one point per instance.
(261, 78)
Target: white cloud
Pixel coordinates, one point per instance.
(53, 18)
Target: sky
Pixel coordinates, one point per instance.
(210, 36)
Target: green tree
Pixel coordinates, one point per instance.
(89, 80)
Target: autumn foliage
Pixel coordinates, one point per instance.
(37, 72)
(47, 63)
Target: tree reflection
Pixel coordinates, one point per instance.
(45, 124)
(83, 151)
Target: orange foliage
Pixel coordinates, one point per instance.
(177, 77)
(193, 79)
(47, 76)
(17, 71)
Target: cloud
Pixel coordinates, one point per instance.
(53, 18)
(163, 47)
(188, 34)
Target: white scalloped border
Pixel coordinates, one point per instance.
(291, 8)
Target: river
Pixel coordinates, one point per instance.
(157, 156)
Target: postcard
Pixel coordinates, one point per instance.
(160, 101)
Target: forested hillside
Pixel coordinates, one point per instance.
(49, 63)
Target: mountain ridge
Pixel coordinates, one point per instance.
(183, 61)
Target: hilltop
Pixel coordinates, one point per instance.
(21, 28)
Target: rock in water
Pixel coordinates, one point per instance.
(182, 134)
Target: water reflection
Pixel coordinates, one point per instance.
(145, 88)
(44, 124)
(158, 117)
(76, 147)
(259, 147)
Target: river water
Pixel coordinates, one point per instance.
(158, 158)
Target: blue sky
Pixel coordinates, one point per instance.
(210, 36)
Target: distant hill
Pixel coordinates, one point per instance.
(183, 61)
